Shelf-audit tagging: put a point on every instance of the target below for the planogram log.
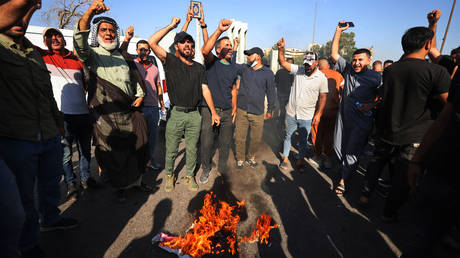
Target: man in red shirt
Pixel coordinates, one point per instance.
(67, 79)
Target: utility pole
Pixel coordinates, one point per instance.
(447, 28)
(314, 22)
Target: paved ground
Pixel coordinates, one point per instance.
(313, 221)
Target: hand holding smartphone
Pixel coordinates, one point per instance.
(344, 24)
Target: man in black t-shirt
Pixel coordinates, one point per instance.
(438, 205)
(222, 76)
(187, 86)
(405, 117)
(283, 82)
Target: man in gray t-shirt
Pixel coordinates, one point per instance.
(355, 117)
(309, 87)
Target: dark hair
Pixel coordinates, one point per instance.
(455, 51)
(415, 38)
(142, 41)
(363, 51)
(377, 62)
(388, 62)
(217, 45)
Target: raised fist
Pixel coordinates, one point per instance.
(433, 16)
(174, 22)
(98, 7)
(281, 44)
(236, 43)
(129, 32)
(224, 25)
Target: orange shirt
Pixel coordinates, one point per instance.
(335, 86)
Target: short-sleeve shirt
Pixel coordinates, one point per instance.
(67, 80)
(184, 82)
(335, 86)
(305, 92)
(152, 78)
(408, 85)
(221, 78)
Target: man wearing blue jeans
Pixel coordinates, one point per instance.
(30, 144)
(68, 89)
(309, 87)
(154, 94)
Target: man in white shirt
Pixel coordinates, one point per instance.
(309, 87)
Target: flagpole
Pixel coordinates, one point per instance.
(448, 24)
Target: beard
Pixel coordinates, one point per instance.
(107, 46)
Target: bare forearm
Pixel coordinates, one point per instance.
(205, 35)
(185, 27)
(322, 104)
(85, 21)
(282, 60)
(234, 97)
(160, 96)
(155, 39)
(335, 46)
(209, 44)
(208, 98)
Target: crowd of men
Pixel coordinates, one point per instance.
(97, 93)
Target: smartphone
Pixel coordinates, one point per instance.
(351, 24)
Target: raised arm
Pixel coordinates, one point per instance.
(209, 45)
(433, 18)
(188, 19)
(13, 10)
(97, 7)
(128, 36)
(281, 44)
(155, 38)
(335, 41)
(203, 26)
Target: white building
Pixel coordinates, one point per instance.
(239, 30)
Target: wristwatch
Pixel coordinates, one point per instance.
(204, 26)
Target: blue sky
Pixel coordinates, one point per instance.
(378, 23)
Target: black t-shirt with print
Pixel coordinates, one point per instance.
(184, 82)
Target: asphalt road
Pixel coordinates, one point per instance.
(313, 220)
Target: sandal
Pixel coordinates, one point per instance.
(340, 190)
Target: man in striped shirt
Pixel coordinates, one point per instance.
(67, 79)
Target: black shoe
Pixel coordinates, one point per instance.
(205, 175)
(72, 192)
(34, 252)
(64, 223)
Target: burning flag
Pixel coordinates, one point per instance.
(215, 231)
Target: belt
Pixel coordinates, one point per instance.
(186, 109)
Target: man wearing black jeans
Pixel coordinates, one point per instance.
(222, 76)
(408, 86)
(283, 82)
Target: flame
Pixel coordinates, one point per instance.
(215, 231)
